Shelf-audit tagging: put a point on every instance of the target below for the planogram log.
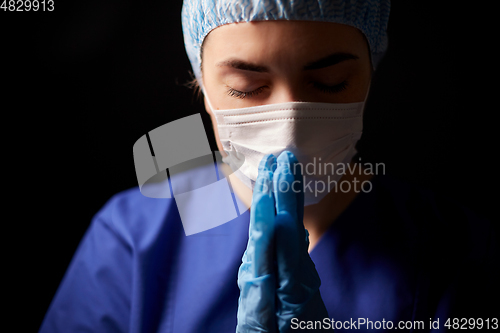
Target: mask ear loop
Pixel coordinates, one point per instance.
(202, 87)
(225, 159)
(368, 91)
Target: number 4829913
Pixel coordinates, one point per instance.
(27, 5)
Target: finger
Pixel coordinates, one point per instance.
(298, 186)
(287, 249)
(256, 280)
(297, 277)
(284, 186)
(287, 226)
(288, 158)
(298, 285)
(260, 205)
(262, 224)
(268, 162)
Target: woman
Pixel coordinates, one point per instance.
(383, 254)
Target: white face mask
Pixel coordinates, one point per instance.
(320, 135)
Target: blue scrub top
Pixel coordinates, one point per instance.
(397, 253)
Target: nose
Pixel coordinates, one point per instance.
(288, 91)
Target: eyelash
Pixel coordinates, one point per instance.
(240, 94)
(321, 87)
(331, 89)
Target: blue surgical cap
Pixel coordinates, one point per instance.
(199, 17)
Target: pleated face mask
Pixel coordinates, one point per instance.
(321, 135)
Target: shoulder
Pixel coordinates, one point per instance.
(196, 200)
(456, 249)
(131, 216)
(442, 224)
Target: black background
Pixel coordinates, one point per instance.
(81, 84)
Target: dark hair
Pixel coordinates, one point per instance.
(193, 82)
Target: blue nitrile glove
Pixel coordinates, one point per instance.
(277, 279)
(256, 279)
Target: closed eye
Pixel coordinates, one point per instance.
(244, 94)
(321, 87)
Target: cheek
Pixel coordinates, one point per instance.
(360, 83)
(211, 92)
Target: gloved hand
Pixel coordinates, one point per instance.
(277, 279)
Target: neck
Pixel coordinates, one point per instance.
(319, 217)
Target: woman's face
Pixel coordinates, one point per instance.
(267, 62)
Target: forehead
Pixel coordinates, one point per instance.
(283, 40)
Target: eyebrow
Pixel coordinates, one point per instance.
(243, 65)
(330, 60)
(327, 61)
